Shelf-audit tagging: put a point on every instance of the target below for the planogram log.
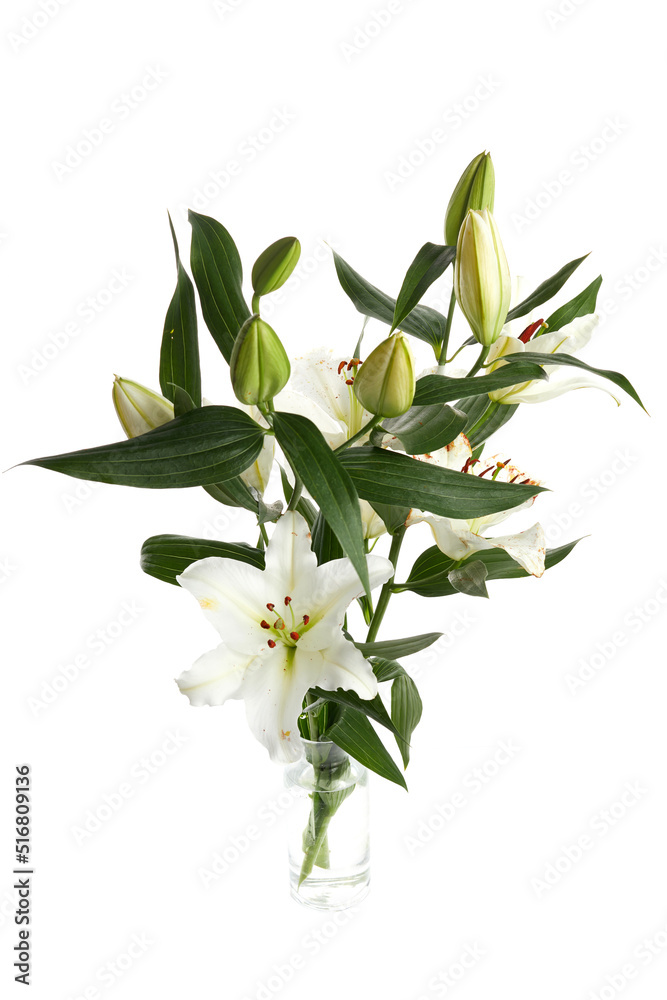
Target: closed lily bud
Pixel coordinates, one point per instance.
(274, 266)
(385, 383)
(476, 189)
(139, 409)
(482, 276)
(259, 366)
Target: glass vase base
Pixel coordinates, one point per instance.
(333, 892)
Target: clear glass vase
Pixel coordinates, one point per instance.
(328, 827)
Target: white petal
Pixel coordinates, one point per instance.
(527, 548)
(293, 402)
(233, 596)
(372, 523)
(289, 556)
(343, 666)
(214, 677)
(538, 391)
(274, 688)
(452, 456)
(259, 473)
(452, 538)
(335, 586)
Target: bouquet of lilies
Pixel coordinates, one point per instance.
(362, 449)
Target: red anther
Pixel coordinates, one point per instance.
(341, 366)
(485, 471)
(349, 381)
(514, 478)
(271, 644)
(524, 482)
(306, 619)
(288, 600)
(264, 624)
(294, 635)
(530, 330)
(469, 462)
(270, 606)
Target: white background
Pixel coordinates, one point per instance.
(580, 91)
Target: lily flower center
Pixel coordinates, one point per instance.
(286, 632)
(347, 370)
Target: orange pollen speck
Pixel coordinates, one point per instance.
(294, 635)
(285, 735)
(206, 602)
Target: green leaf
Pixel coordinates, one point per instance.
(582, 304)
(327, 482)
(398, 647)
(179, 353)
(424, 323)
(429, 577)
(470, 578)
(182, 400)
(386, 670)
(426, 428)
(570, 361)
(406, 711)
(166, 556)
(377, 474)
(206, 446)
(216, 267)
(372, 707)
(233, 493)
(325, 545)
(442, 389)
(354, 734)
(546, 290)
(495, 416)
(393, 517)
(429, 264)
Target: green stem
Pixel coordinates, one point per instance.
(298, 487)
(488, 412)
(255, 304)
(366, 429)
(442, 360)
(263, 535)
(483, 354)
(312, 721)
(385, 593)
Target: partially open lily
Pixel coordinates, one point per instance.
(459, 538)
(282, 633)
(524, 335)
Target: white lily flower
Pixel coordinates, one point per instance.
(568, 340)
(458, 538)
(282, 633)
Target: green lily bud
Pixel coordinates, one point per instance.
(476, 189)
(385, 382)
(259, 366)
(274, 266)
(482, 276)
(139, 409)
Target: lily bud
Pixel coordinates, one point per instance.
(385, 383)
(259, 366)
(476, 189)
(482, 276)
(139, 409)
(274, 266)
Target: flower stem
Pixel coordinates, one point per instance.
(366, 429)
(483, 354)
(442, 360)
(385, 593)
(298, 487)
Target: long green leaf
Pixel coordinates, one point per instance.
(406, 711)
(569, 361)
(429, 577)
(179, 354)
(429, 264)
(372, 707)
(377, 474)
(386, 670)
(442, 389)
(233, 493)
(325, 545)
(424, 323)
(398, 647)
(423, 429)
(582, 304)
(216, 267)
(546, 290)
(495, 416)
(327, 482)
(166, 556)
(203, 447)
(354, 734)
